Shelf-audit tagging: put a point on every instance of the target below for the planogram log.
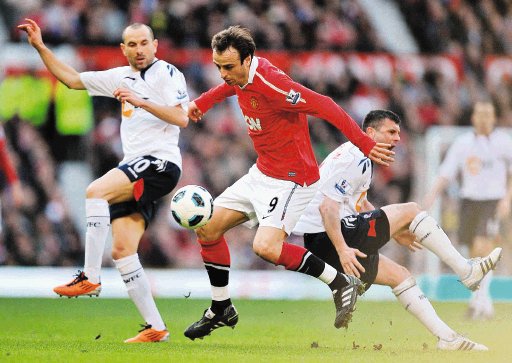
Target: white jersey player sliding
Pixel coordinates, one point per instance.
(342, 227)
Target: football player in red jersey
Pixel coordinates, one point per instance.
(277, 189)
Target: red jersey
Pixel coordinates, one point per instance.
(275, 109)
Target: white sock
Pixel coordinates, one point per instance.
(98, 225)
(415, 302)
(220, 293)
(328, 274)
(430, 235)
(138, 287)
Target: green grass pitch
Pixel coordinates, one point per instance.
(93, 330)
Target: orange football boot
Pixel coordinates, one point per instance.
(80, 286)
(149, 335)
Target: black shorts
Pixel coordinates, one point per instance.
(476, 219)
(153, 179)
(367, 232)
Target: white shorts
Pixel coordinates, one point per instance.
(267, 201)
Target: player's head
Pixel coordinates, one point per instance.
(139, 45)
(383, 126)
(483, 117)
(233, 50)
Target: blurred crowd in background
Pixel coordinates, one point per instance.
(217, 152)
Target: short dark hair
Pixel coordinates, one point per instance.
(375, 118)
(236, 37)
(138, 25)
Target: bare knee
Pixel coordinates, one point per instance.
(94, 190)
(119, 251)
(208, 234)
(266, 250)
(401, 274)
(412, 210)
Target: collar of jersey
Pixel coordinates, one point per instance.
(143, 71)
(252, 71)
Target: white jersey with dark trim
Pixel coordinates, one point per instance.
(142, 133)
(484, 162)
(345, 176)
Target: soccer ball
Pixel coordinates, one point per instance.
(192, 206)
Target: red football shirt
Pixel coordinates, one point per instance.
(275, 109)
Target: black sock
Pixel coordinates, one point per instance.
(312, 265)
(339, 282)
(218, 307)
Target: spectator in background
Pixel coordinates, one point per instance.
(483, 159)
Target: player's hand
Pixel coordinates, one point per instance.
(407, 239)
(33, 31)
(415, 246)
(349, 262)
(194, 113)
(381, 154)
(125, 95)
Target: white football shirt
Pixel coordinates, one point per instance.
(142, 133)
(345, 176)
(484, 163)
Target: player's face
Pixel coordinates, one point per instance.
(139, 48)
(232, 71)
(388, 132)
(483, 118)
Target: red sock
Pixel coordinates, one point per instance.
(216, 252)
(291, 256)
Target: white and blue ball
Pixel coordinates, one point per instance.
(192, 206)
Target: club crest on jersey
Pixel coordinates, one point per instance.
(254, 103)
(293, 97)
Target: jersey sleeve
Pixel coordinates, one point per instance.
(451, 163)
(172, 86)
(213, 96)
(342, 178)
(102, 83)
(288, 95)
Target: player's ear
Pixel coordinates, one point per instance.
(247, 61)
(123, 48)
(370, 131)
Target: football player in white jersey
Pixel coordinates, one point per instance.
(483, 159)
(154, 101)
(342, 227)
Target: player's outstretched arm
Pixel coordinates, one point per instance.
(174, 115)
(381, 154)
(64, 73)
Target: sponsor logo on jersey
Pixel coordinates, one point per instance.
(253, 123)
(254, 103)
(127, 109)
(293, 97)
